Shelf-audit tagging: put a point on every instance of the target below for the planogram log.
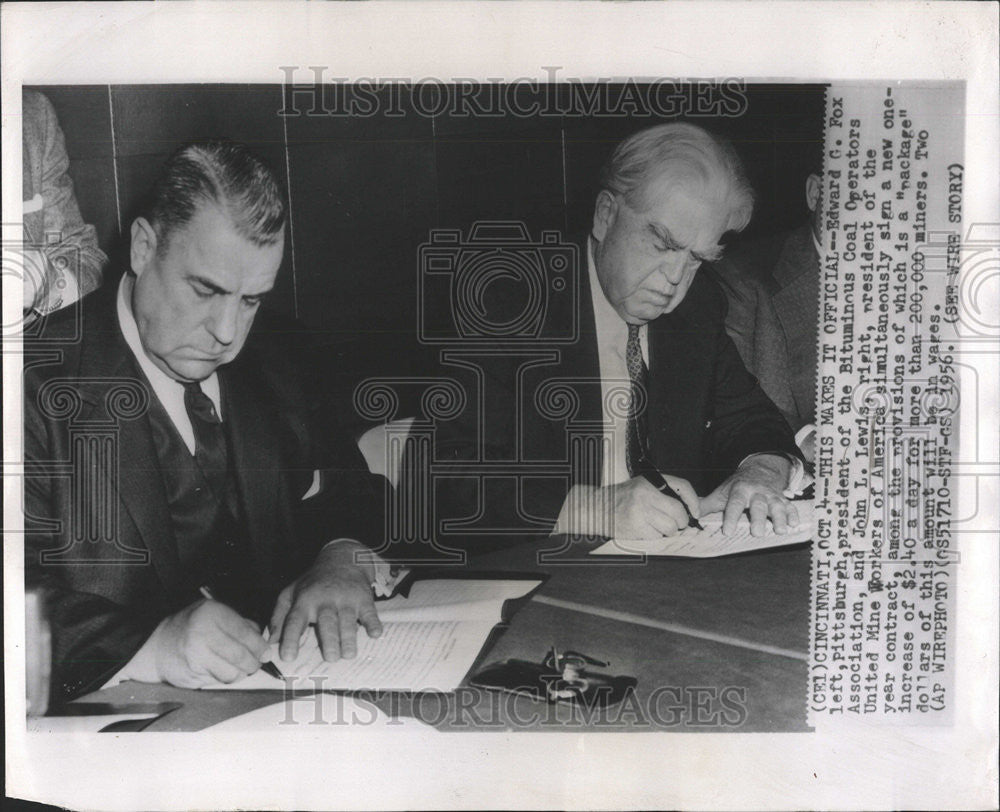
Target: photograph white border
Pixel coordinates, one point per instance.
(846, 767)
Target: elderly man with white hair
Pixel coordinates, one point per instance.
(683, 428)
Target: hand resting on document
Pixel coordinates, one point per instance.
(334, 595)
(758, 484)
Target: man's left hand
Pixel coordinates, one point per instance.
(335, 594)
(758, 484)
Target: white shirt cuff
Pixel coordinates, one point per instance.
(804, 433)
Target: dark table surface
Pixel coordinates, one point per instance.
(715, 644)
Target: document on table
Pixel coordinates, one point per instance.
(710, 542)
(429, 641)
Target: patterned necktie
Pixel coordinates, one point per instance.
(635, 431)
(209, 440)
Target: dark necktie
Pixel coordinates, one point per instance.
(209, 440)
(635, 431)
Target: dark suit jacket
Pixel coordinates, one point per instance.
(773, 292)
(706, 412)
(98, 529)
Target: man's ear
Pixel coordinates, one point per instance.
(605, 212)
(814, 186)
(143, 245)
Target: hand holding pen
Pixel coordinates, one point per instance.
(655, 478)
(648, 506)
(205, 642)
(267, 667)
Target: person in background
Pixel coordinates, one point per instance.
(772, 286)
(62, 262)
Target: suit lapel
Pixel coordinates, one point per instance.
(681, 343)
(581, 364)
(105, 358)
(673, 362)
(254, 455)
(584, 364)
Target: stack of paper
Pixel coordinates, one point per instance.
(429, 641)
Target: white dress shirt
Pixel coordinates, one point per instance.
(169, 392)
(612, 336)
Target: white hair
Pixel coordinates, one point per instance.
(691, 154)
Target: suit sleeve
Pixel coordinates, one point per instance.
(351, 501)
(76, 251)
(92, 637)
(744, 420)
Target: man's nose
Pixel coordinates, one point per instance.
(223, 323)
(673, 266)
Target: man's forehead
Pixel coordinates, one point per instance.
(663, 187)
(212, 248)
(669, 207)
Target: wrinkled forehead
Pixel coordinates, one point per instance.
(699, 182)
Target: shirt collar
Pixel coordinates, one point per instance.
(165, 387)
(609, 325)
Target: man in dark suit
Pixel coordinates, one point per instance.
(773, 290)
(205, 494)
(650, 370)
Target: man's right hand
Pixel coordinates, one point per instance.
(203, 643)
(641, 511)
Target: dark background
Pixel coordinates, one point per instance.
(365, 191)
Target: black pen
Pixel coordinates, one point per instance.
(655, 478)
(269, 667)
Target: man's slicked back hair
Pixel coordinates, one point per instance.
(689, 153)
(225, 173)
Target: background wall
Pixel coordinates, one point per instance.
(365, 191)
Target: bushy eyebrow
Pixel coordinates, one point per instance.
(710, 255)
(670, 244)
